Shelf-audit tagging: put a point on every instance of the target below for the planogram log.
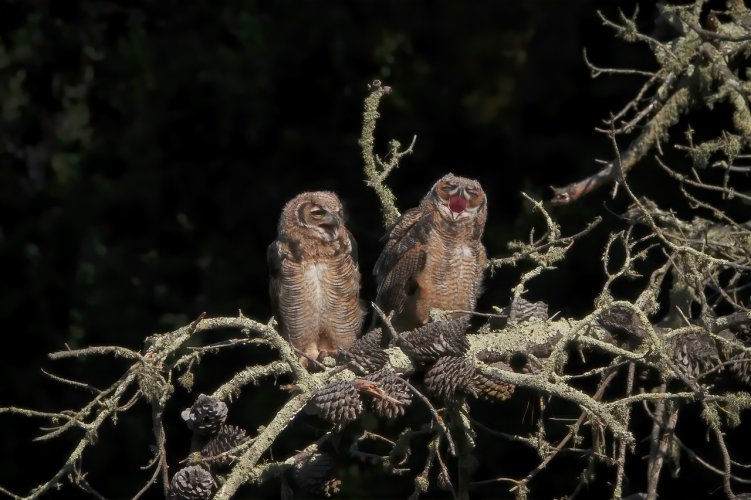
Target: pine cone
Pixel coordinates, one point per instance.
(206, 416)
(522, 363)
(522, 310)
(315, 474)
(228, 437)
(623, 325)
(741, 368)
(491, 389)
(449, 375)
(367, 352)
(191, 483)
(337, 402)
(489, 356)
(694, 354)
(742, 332)
(434, 340)
(397, 394)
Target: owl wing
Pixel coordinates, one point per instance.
(402, 259)
(353, 251)
(274, 257)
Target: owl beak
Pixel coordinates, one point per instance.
(330, 223)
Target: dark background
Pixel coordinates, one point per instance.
(146, 152)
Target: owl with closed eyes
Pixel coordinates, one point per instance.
(433, 258)
(314, 278)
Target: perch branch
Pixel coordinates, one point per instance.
(376, 170)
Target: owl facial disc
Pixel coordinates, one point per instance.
(458, 198)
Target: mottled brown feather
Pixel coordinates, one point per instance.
(432, 260)
(314, 278)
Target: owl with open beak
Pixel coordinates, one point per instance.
(433, 258)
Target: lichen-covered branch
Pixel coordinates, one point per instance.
(532, 336)
(251, 375)
(376, 170)
(655, 130)
(693, 72)
(246, 469)
(544, 252)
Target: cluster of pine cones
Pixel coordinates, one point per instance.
(212, 443)
(439, 349)
(695, 355)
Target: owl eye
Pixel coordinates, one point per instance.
(317, 213)
(448, 188)
(474, 193)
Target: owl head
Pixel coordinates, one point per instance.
(318, 214)
(458, 198)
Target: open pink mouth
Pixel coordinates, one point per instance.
(457, 204)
